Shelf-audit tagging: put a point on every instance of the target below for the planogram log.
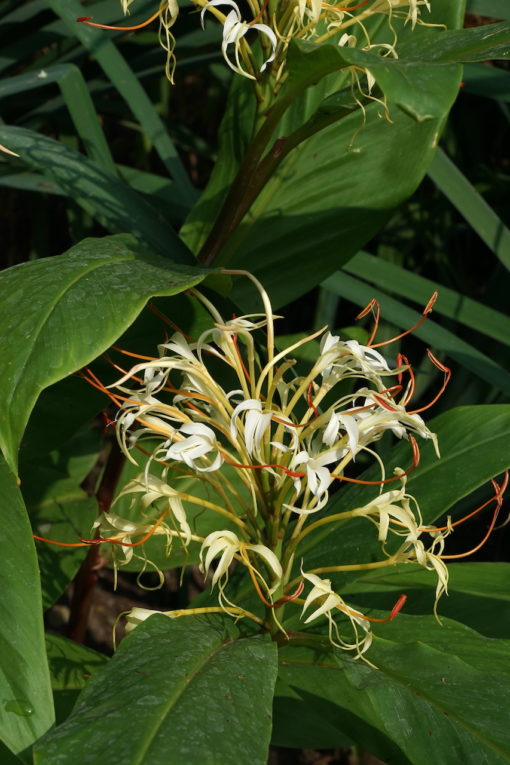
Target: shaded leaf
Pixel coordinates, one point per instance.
(148, 703)
(59, 313)
(25, 692)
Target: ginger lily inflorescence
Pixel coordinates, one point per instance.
(229, 411)
(274, 23)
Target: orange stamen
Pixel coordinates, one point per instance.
(416, 462)
(261, 12)
(134, 355)
(113, 541)
(87, 20)
(403, 360)
(376, 309)
(309, 400)
(447, 375)
(60, 544)
(426, 311)
(394, 611)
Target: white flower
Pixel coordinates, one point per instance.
(256, 423)
(234, 29)
(154, 488)
(328, 601)
(318, 477)
(138, 615)
(227, 544)
(201, 441)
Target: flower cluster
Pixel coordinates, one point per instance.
(345, 22)
(270, 444)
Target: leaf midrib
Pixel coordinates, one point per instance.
(139, 757)
(52, 306)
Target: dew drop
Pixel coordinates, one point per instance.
(20, 707)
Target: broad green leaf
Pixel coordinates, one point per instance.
(460, 45)
(406, 284)
(478, 594)
(487, 81)
(148, 703)
(106, 198)
(441, 687)
(61, 511)
(65, 407)
(497, 9)
(412, 85)
(480, 216)
(474, 446)
(59, 313)
(437, 337)
(25, 692)
(71, 665)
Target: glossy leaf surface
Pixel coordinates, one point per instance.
(148, 704)
(60, 313)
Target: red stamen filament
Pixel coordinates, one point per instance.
(499, 501)
(376, 308)
(87, 20)
(403, 360)
(416, 462)
(426, 311)
(261, 12)
(394, 611)
(447, 375)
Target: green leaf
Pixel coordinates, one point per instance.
(437, 337)
(25, 692)
(480, 216)
(59, 510)
(78, 101)
(71, 665)
(406, 284)
(478, 594)
(125, 81)
(491, 41)
(413, 85)
(487, 81)
(59, 313)
(367, 168)
(441, 687)
(106, 198)
(497, 9)
(148, 703)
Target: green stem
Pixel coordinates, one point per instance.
(255, 170)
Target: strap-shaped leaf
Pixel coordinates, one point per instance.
(107, 198)
(471, 205)
(436, 336)
(25, 692)
(190, 690)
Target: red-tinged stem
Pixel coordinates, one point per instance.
(86, 579)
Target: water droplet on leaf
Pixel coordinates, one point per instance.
(19, 707)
